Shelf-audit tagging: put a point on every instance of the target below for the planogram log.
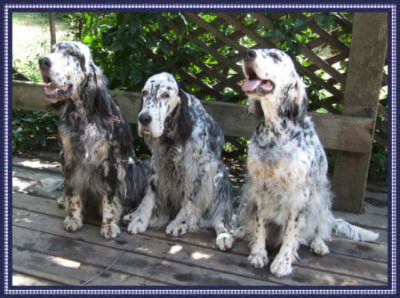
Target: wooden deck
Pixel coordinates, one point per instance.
(44, 254)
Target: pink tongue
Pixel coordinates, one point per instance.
(267, 85)
(51, 89)
(251, 85)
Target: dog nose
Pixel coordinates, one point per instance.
(44, 63)
(145, 118)
(249, 55)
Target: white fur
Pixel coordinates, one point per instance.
(286, 200)
(189, 184)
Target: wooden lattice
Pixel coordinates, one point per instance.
(209, 47)
(218, 63)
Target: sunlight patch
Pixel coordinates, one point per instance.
(197, 255)
(38, 164)
(65, 262)
(175, 249)
(21, 185)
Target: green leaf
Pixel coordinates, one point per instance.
(134, 26)
(117, 46)
(136, 77)
(123, 74)
(88, 39)
(132, 43)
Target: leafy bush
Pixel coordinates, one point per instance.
(33, 130)
(121, 43)
(132, 46)
(379, 163)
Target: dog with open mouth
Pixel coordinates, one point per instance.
(286, 200)
(101, 172)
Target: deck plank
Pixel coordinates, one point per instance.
(136, 264)
(205, 238)
(153, 258)
(63, 271)
(50, 221)
(25, 167)
(22, 279)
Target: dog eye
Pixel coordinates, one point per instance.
(275, 56)
(144, 93)
(165, 95)
(72, 52)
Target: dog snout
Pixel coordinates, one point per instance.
(249, 55)
(145, 118)
(44, 63)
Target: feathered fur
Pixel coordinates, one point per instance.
(100, 168)
(188, 184)
(287, 199)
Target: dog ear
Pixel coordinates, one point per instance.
(141, 104)
(294, 105)
(184, 121)
(95, 94)
(99, 78)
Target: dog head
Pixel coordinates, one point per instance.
(67, 70)
(273, 83)
(164, 105)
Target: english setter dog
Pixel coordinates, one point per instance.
(286, 200)
(100, 169)
(188, 179)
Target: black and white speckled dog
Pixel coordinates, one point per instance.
(99, 165)
(188, 180)
(286, 200)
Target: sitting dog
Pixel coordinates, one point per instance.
(287, 199)
(188, 180)
(100, 169)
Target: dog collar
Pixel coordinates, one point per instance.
(114, 119)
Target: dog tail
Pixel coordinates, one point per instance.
(343, 228)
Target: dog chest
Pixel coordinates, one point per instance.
(89, 144)
(283, 170)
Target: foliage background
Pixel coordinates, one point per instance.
(132, 46)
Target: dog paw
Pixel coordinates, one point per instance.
(281, 267)
(126, 219)
(110, 230)
(319, 247)
(61, 202)
(176, 228)
(137, 225)
(224, 241)
(258, 258)
(72, 224)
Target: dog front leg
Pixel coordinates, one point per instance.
(73, 220)
(282, 264)
(111, 212)
(189, 215)
(139, 220)
(185, 220)
(224, 239)
(110, 205)
(258, 254)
